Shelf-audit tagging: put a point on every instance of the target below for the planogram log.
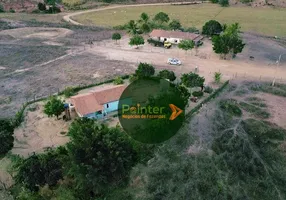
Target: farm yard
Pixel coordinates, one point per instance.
(230, 144)
(266, 21)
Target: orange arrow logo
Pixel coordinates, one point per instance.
(175, 111)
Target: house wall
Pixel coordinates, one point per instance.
(111, 106)
(172, 40)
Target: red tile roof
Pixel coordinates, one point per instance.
(176, 34)
(94, 101)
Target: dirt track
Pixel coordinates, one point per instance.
(67, 17)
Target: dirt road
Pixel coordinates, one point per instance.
(68, 16)
(206, 61)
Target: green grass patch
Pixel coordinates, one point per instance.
(255, 110)
(268, 21)
(230, 106)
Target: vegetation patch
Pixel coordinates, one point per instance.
(277, 89)
(230, 106)
(255, 110)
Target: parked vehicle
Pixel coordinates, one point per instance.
(157, 43)
(167, 45)
(174, 61)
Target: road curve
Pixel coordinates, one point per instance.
(67, 17)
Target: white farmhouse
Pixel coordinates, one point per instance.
(174, 36)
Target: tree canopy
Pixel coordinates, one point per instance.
(39, 170)
(6, 136)
(54, 106)
(166, 74)
(228, 43)
(186, 44)
(212, 27)
(175, 24)
(101, 156)
(132, 27)
(161, 17)
(116, 36)
(136, 40)
(144, 70)
(192, 80)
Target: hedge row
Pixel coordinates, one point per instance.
(212, 96)
(19, 117)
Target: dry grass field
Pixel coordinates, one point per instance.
(268, 21)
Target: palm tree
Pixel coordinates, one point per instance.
(132, 27)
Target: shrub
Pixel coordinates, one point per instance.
(36, 11)
(166, 74)
(11, 10)
(217, 77)
(54, 9)
(116, 36)
(132, 78)
(230, 106)
(42, 6)
(118, 80)
(68, 92)
(208, 89)
(145, 70)
(54, 107)
(198, 93)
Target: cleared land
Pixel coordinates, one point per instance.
(267, 21)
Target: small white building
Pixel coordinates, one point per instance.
(174, 36)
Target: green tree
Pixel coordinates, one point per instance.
(132, 27)
(175, 24)
(192, 80)
(228, 43)
(101, 157)
(116, 36)
(2, 8)
(39, 170)
(166, 74)
(224, 3)
(186, 45)
(136, 40)
(52, 3)
(212, 27)
(144, 18)
(161, 17)
(54, 107)
(6, 136)
(144, 70)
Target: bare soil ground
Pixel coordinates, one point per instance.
(37, 62)
(39, 132)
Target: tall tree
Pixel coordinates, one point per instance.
(136, 40)
(54, 106)
(211, 28)
(186, 45)
(6, 136)
(101, 156)
(228, 43)
(132, 27)
(144, 23)
(161, 17)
